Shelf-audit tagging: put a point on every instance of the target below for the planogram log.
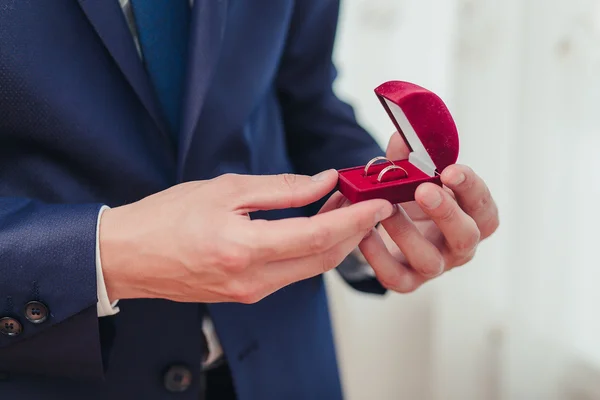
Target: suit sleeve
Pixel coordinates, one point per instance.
(321, 130)
(48, 256)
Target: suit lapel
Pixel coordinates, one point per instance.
(207, 29)
(109, 22)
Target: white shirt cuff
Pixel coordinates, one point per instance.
(215, 351)
(105, 308)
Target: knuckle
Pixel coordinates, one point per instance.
(319, 239)
(231, 184)
(433, 267)
(397, 284)
(257, 250)
(289, 185)
(466, 245)
(465, 259)
(408, 287)
(481, 204)
(490, 226)
(289, 180)
(448, 214)
(401, 229)
(228, 179)
(243, 292)
(405, 289)
(390, 282)
(250, 297)
(234, 258)
(365, 223)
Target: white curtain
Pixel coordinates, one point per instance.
(522, 321)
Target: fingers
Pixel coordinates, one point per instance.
(336, 200)
(474, 197)
(300, 237)
(282, 273)
(390, 272)
(397, 148)
(421, 254)
(459, 229)
(250, 193)
(274, 275)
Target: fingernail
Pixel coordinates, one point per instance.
(439, 271)
(320, 176)
(432, 198)
(442, 268)
(384, 213)
(457, 179)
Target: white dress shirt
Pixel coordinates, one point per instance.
(106, 308)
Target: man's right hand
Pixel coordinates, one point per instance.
(195, 241)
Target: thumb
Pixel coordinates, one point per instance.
(397, 149)
(273, 192)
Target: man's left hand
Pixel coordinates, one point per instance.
(440, 230)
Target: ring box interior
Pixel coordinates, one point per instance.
(429, 131)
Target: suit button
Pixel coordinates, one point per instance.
(10, 327)
(178, 378)
(36, 312)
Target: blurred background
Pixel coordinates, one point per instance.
(521, 321)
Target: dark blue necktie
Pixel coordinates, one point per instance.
(163, 32)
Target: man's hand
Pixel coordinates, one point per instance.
(196, 243)
(440, 230)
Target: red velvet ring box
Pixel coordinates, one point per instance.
(427, 127)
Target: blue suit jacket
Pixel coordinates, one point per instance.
(80, 127)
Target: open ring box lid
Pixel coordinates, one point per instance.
(427, 127)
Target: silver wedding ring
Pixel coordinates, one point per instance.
(387, 169)
(374, 160)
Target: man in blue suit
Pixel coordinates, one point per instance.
(161, 165)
